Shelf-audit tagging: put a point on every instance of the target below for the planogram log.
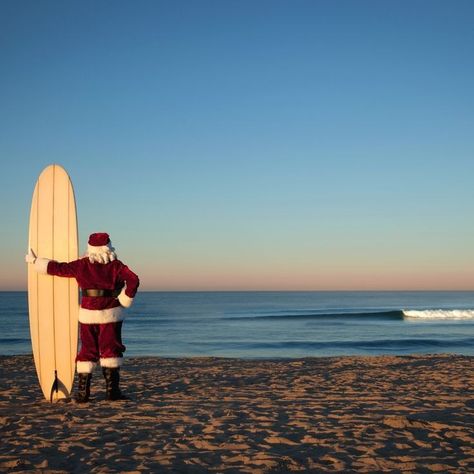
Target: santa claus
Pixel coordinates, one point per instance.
(107, 287)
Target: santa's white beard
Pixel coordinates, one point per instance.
(101, 254)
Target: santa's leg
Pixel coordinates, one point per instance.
(86, 360)
(111, 357)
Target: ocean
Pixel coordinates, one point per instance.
(277, 324)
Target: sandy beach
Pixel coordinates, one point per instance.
(341, 414)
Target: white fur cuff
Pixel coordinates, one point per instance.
(125, 300)
(111, 362)
(41, 265)
(85, 367)
(100, 316)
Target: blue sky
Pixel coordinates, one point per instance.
(248, 144)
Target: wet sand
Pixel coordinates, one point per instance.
(194, 415)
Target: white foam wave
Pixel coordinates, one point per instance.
(456, 314)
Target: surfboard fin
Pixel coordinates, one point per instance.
(55, 386)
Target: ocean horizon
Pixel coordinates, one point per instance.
(277, 324)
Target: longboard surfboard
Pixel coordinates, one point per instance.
(53, 301)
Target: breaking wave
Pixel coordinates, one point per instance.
(438, 314)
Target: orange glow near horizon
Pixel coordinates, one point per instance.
(197, 276)
(215, 281)
(281, 280)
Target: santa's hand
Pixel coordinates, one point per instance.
(31, 257)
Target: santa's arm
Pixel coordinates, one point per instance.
(62, 269)
(51, 267)
(130, 289)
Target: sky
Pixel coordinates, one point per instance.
(251, 144)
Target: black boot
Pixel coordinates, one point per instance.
(112, 382)
(83, 388)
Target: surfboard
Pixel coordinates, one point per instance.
(53, 301)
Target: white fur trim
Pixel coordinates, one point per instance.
(111, 362)
(100, 316)
(41, 265)
(101, 253)
(85, 367)
(125, 300)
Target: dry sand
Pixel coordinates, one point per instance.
(345, 414)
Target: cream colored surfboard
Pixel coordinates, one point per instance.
(53, 301)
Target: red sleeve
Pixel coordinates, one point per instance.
(131, 280)
(63, 269)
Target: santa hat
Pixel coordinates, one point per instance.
(99, 239)
(99, 248)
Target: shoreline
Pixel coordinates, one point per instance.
(406, 413)
(269, 359)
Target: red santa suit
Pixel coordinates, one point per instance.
(107, 286)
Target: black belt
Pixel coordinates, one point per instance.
(95, 293)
